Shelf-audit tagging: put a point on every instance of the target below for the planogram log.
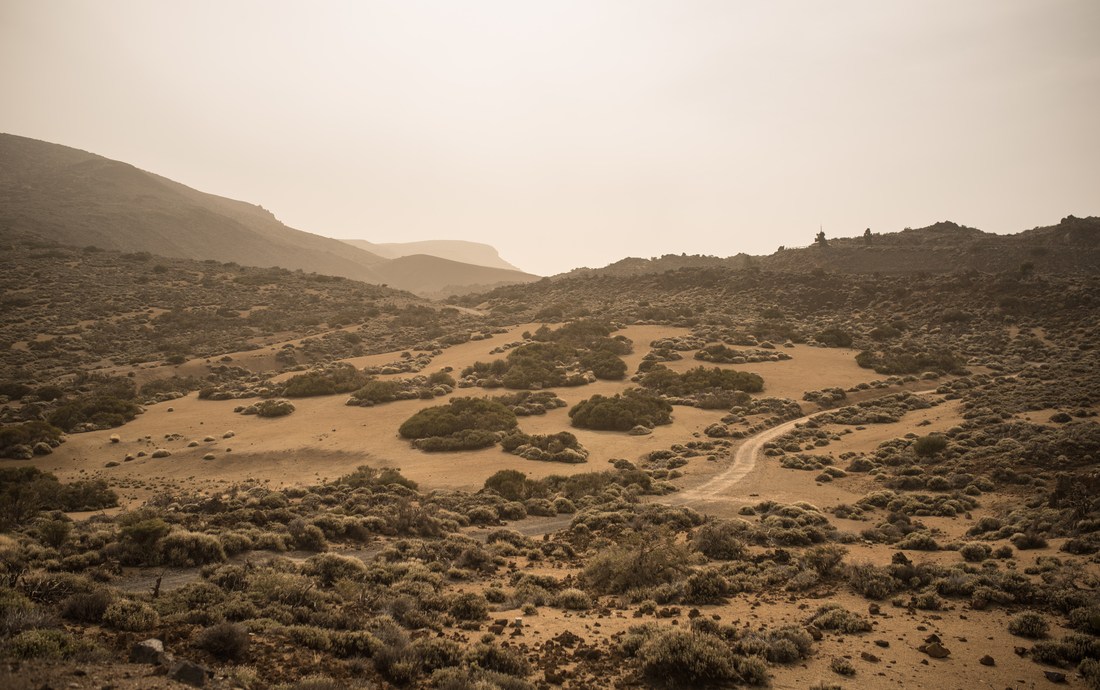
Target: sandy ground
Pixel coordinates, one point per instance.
(324, 439)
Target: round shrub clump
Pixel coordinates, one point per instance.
(1029, 624)
(682, 658)
(226, 641)
(131, 616)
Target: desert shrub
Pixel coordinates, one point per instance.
(836, 617)
(328, 568)
(834, 337)
(54, 533)
(187, 549)
(337, 378)
(139, 538)
(27, 434)
(928, 446)
(621, 412)
(131, 616)
(470, 439)
(681, 658)
(646, 562)
(46, 644)
(87, 607)
(896, 361)
(573, 599)
(975, 552)
(1029, 624)
(469, 606)
(460, 414)
(604, 365)
(825, 559)
(1086, 619)
(560, 447)
(1090, 673)
(918, 541)
(274, 408)
(377, 391)
(365, 475)
(225, 641)
(512, 485)
(306, 536)
(1028, 540)
(506, 660)
(706, 586)
(720, 539)
(840, 665)
(99, 410)
(702, 381)
(25, 491)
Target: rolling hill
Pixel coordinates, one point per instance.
(462, 251)
(78, 198)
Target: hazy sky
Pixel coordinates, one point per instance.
(575, 133)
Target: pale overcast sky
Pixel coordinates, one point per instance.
(576, 133)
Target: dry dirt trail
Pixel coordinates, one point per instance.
(718, 487)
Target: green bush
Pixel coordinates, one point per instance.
(377, 391)
(184, 549)
(338, 378)
(621, 412)
(836, 617)
(131, 616)
(225, 641)
(681, 658)
(274, 408)
(1029, 624)
(470, 439)
(701, 382)
(834, 337)
(460, 414)
(469, 606)
(645, 561)
(928, 446)
(46, 644)
(98, 410)
(721, 539)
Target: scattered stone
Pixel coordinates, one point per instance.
(161, 453)
(987, 661)
(115, 438)
(867, 656)
(935, 650)
(874, 609)
(228, 434)
(149, 651)
(1055, 676)
(188, 672)
(882, 643)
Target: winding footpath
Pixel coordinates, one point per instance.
(744, 461)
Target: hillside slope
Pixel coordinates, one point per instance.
(81, 199)
(435, 277)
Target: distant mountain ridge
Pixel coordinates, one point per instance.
(1071, 246)
(463, 251)
(79, 198)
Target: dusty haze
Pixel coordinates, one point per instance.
(618, 127)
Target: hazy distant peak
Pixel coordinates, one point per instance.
(462, 251)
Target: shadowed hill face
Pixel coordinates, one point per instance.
(81, 199)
